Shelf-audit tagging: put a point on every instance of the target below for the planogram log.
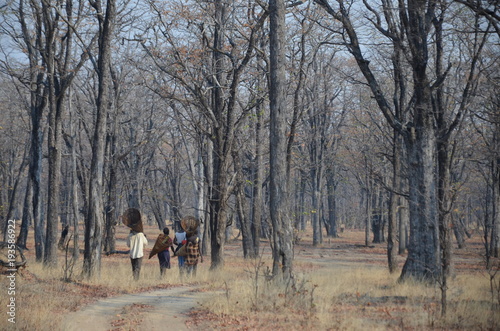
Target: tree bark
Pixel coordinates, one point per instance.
(94, 219)
(281, 221)
(331, 185)
(423, 261)
(394, 203)
(257, 169)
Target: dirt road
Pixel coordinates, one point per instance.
(156, 310)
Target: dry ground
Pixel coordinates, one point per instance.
(340, 285)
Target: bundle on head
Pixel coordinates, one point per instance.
(132, 218)
(190, 224)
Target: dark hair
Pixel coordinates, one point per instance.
(166, 230)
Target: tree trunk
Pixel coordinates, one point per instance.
(27, 216)
(496, 180)
(94, 219)
(403, 219)
(331, 186)
(281, 221)
(241, 208)
(377, 217)
(74, 198)
(12, 195)
(257, 201)
(35, 179)
(218, 214)
(316, 200)
(368, 213)
(54, 179)
(38, 102)
(423, 260)
(394, 203)
(111, 202)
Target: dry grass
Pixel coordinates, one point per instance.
(366, 298)
(344, 286)
(340, 285)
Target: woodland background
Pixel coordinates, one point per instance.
(268, 117)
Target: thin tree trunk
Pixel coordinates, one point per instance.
(332, 203)
(74, 199)
(368, 214)
(257, 203)
(394, 203)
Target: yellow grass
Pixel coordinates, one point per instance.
(355, 299)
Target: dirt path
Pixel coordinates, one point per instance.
(156, 310)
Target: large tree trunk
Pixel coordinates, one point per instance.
(95, 218)
(223, 106)
(54, 184)
(218, 210)
(281, 221)
(423, 259)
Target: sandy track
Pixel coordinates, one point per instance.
(162, 309)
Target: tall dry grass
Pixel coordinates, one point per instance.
(352, 298)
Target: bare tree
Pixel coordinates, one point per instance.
(94, 219)
(281, 220)
(210, 87)
(59, 25)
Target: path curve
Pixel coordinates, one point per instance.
(165, 309)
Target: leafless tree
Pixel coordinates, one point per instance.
(94, 219)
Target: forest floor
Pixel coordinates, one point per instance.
(116, 302)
